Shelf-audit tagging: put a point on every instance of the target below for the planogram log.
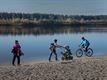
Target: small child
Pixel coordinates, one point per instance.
(67, 53)
(67, 50)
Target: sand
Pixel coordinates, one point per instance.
(93, 68)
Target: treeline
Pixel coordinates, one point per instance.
(49, 19)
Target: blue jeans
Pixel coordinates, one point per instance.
(53, 52)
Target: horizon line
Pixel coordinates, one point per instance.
(57, 14)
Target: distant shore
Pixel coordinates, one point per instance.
(38, 19)
(93, 68)
(53, 24)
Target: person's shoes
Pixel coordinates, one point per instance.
(57, 60)
(13, 64)
(19, 64)
(50, 61)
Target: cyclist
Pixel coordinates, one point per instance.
(85, 43)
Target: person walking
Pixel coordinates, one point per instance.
(16, 50)
(52, 48)
(53, 51)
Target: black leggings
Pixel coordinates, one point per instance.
(14, 58)
(86, 48)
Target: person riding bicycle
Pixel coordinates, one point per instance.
(85, 43)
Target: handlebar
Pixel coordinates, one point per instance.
(81, 46)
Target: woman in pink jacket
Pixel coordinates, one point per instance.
(16, 52)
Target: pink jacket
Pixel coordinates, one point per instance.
(16, 46)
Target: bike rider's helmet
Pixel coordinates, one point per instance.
(82, 38)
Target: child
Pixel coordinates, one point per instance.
(67, 53)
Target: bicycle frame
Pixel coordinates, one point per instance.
(82, 48)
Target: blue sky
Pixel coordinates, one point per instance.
(69, 7)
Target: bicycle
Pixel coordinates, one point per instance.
(81, 50)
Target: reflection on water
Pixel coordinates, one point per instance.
(19, 30)
(35, 41)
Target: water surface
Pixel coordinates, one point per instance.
(35, 41)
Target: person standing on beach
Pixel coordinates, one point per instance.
(52, 48)
(16, 52)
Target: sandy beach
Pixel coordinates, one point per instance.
(93, 68)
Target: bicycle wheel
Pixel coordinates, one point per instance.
(79, 53)
(89, 53)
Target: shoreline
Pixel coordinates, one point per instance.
(84, 68)
(55, 24)
(35, 61)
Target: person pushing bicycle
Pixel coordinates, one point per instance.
(85, 43)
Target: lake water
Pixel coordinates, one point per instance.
(35, 41)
